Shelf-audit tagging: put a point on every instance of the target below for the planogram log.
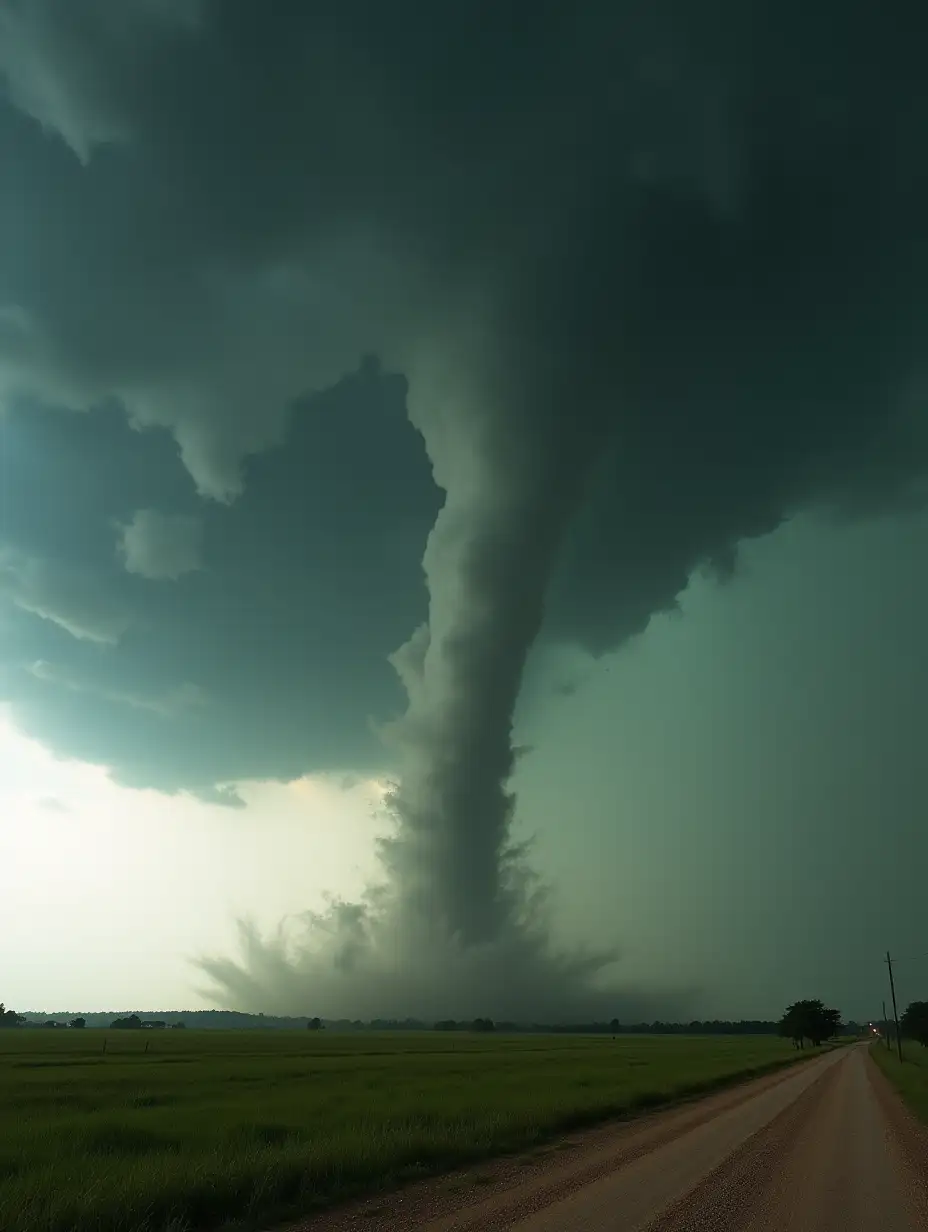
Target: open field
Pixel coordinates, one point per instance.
(911, 1077)
(208, 1127)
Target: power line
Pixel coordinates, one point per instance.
(911, 958)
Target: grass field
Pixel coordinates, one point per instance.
(911, 1077)
(210, 1127)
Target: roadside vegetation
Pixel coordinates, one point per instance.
(174, 1131)
(910, 1077)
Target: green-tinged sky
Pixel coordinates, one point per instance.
(738, 796)
(419, 433)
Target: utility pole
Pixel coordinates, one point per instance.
(892, 989)
(885, 1024)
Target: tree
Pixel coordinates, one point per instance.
(809, 1020)
(9, 1018)
(914, 1022)
(314, 1024)
(132, 1023)
(482, 1024)
(78, 1023)
(789, 1026)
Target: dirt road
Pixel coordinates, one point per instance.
(825, 1147)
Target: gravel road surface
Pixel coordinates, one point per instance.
(823, 1147)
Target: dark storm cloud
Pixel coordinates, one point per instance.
(270, 658)
(655, 276)
(746, 240)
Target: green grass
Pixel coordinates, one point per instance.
(208, 1128)
(911, 1077)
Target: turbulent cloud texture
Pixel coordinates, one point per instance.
(161, 546)
(654, 279)
(305, 586)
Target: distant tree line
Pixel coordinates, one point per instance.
(237, 1020)
(478, 1024)
(135, 1023)
(9, 1018)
